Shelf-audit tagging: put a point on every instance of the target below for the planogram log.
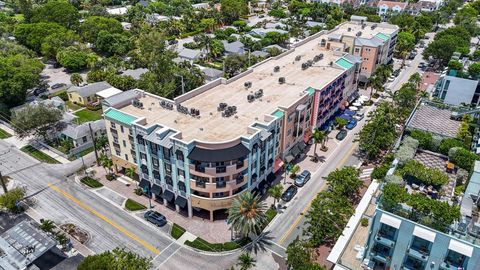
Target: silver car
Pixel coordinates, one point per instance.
(302, 178)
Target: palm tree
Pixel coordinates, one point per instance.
(416, 79)
(76, 79)
(247, 214)
(102, 143)
(106, 163)
(47, 225)
(375, 83)
(245, 261)
(276, 192)
(319, 136)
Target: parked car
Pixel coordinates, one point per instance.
(391, 78)
(396, 72)
(302, 178)
(58, 85)
(289, 193)
(351, 125)
(341, 134)
(412, 56)
(155, 218)
(359, 116)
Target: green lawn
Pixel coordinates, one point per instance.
(91, 182)
(4, 134)
(72, 106)
(201, 244)
(177, 231)
(132, 205)
(87, 115)
(271, 213)
(32, 151)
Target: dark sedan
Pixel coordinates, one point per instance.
(341, 134)
(155, 218)
(289, 193)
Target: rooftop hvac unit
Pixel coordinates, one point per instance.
(248, 84)
(259, 93)
(298, 57)
(276, 69)
(349, 29)
(359, 33)
(250, 98)
(304, 66)
(137, 103)
(281, 80)
(221, 106)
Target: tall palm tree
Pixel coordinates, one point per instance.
(276, 192)
(247, 214)
(245, 261)
(375, 83)
(319, 136)
(102, 143)
(416, 79)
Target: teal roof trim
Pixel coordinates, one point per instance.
(310, 91)
(120, 116)
(344, 63)
(278, 114)
(383, 36)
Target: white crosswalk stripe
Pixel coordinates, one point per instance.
(365, 174)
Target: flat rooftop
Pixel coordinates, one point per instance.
(436, 120)
(367, 31)
(213, 127)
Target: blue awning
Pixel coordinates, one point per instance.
(346, 117)
(349, 112)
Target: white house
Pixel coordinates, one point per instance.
(385, 7)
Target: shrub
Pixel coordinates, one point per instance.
(404, 154)
(425, 175)
(201, 244)
(411, 142)
(10, 199)
(110, 177)
(394, 179)
(138, 191)
(91, 182)
(463, 158)
(132, 205)
(364, 222)
(424, 138)
(435, 144)
(341, 122)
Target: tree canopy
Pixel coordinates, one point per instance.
(117, 259)
(57, 11)
(345, 181)
(36, 120)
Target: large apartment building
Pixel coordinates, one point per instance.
(197, 152)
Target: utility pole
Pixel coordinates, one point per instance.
(4, 186)
(94, 144)
(183, 84)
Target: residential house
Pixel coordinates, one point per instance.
(126, 25)
(262, 31)
(235, 47)
(211, 74)
(118, 11)
(455, 90)
(81, 136)
(135, 73)
(261, 54)
(387, 7)
(310, 24)
(420, 6)
(85, 95)
(190, 55)
(201, 6)
(52, 102)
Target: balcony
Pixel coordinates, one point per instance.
(417, 254)
(413, 264)
(384, 240)
(114, 131)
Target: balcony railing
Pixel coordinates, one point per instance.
(418, 254)
(384, 240)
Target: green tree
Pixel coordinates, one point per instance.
(232, 10)
(245, 261)
(393, 195)
(299, 256)
(216, 48)
(130, 172)
(327, 217)
(116, 259)
(37, 120)
(33, 35)
(345, 181)
(319, 137)
(474, 70)
(454, 64)
(72, 58)
(340, 122)
(61, 12)
(208, 24)
(453, 39)
(234, 64)
(276, 192)
(17, 74)
(10, 199)
(112, 43)
(76, 79)
(56, 41)
(449, 143)
(240, 25)
(92, 26)
(405, 44)
(47, 225)
(247, 214)
(277, 13)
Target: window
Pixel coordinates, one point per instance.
(290, 117)
(155, 162)
(156, 174)
(181, 172)
(168, 168)
(447, 84)
(115, 139)
(166, 152)
(112, 125)
(220, 181)
(124, 143)
(169, 180)
(117, 152)
(289, 132)
(88, 99)
(221, 169)
(181, 186)
(143, 156)
(126, 157)
(179, 155)
(84, 139)
(220, 194)
(81, 100)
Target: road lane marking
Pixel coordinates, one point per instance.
(104, 218)
(307, 207)
(168, 258)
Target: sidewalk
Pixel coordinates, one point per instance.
(19, 143)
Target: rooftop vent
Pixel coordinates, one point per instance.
(349, 29)
(281, 80)
(374, 26)
(221, 106)
(298, 57)
(359, 33)
(250, 98)
(248, 84)
(259, 93)
(182, 109)
(304, 66)
(276, 69)
(136, 103)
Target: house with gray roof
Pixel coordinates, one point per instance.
(314, 24)
(235, 47)
(211, 74)
(135, 73)
(80, 134)
(262, 32)
(190, 55)
(260, 54)
(85, 95)
(120, 100)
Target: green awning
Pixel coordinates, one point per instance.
(119, 116)
(310, 91)
(278, 114)
(344, 63)
(382, 36)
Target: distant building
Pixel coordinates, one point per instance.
(126, 25)
(135, 73)
(118, 11)
(190, 55)
(385, 7)
(314, 24)
(235, 47)
(211, 74)
(455, 90)
(85, 95)
(201, 6)
(262, 32)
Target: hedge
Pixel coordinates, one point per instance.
(132, 205)
(425, 175)
(202, 244)
(91, 182)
